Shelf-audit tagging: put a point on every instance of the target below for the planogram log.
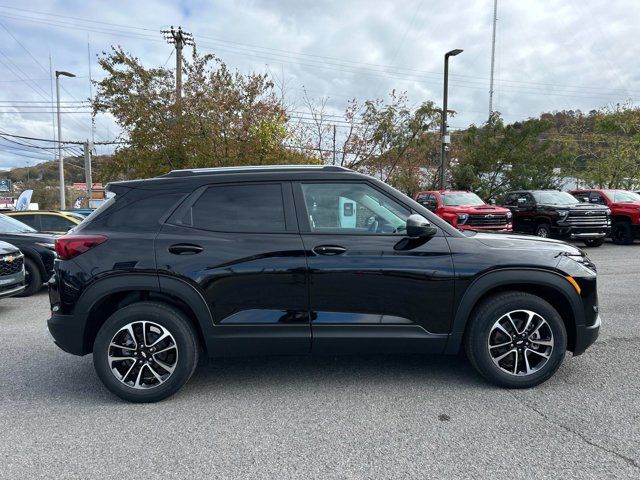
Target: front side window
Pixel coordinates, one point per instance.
(54, 223)
(622, 196)
(352, 208)
(257, 208)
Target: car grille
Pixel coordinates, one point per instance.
(10, 267)
(487, 220)
(588, 218)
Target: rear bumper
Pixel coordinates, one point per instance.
(67, 333)
(586, 336)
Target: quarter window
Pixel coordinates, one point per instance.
(255, 208)
(352, 208)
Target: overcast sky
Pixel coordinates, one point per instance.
(550, 55)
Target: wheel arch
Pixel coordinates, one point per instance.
(35, 257)
(112, 293)
(548, 285)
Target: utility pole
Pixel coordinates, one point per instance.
(334, 143)
(179, 38)
(444, 136)
(87, 147)
(60, 159)
(493, 55)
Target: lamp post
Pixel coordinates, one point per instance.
(443, 128)
(60, 160)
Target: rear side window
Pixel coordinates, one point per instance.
(54, 223)
(239, 208)
(31, 220)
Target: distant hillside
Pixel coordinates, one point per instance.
(47, 172)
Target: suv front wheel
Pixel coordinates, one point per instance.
(516, 340)
(145, 352)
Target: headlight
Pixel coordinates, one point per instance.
(563, 214)
(608, 211)
(462, 218)
(509, 215)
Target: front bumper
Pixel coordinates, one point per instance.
(12, 284)
(580, 233)
(586, 336)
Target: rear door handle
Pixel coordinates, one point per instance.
(329, 250)
(185, 249)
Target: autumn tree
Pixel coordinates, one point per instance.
(224, 118)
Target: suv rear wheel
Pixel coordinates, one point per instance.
(145, 352)
(516, 340)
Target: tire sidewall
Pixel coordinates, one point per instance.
(490, 313)
(170, 319)
(625, 228)
(546, 228)
(35, 282)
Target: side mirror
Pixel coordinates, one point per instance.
(492, 201)
(420, 227)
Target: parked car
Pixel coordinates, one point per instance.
(11, 270)
(48, 221)
(625, 211)
(551, 213)
(465, 210)
(298, 260)
(38, 250)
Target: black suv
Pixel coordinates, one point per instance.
(297, 260)
(38, 250)
(551, 213)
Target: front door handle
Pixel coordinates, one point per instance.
(185, 249)
(329, 250)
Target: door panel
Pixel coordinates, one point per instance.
(380, 293)
(255, 284)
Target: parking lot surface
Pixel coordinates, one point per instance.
(332, 417)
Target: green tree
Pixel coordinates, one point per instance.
(225, 118)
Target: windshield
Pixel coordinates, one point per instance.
(555, 198)
(621, 196)
(11, 225)
(462, 198)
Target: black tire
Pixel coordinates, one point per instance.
(595, 242)
(621, 233)
(543, 230)
(480, 326)
(170, 319)
(33, 278)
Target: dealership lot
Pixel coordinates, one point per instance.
(350, 417)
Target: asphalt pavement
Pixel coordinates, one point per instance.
(334, 417)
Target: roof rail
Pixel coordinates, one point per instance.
(255, 168)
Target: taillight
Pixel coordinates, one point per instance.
(70, 246)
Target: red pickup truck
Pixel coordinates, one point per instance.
(466, 210)
(625, 211)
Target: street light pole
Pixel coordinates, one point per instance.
(60, 160)
(444, 137)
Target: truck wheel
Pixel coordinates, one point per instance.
(32, 278)
(543, 230)
(595, 242)
(516, 340)
(621, 233)
(145, 352)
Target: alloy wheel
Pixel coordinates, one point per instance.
(142, 355)
(520, 342)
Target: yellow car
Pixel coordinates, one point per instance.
(48, 221)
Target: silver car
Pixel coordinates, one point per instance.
(11, 270)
